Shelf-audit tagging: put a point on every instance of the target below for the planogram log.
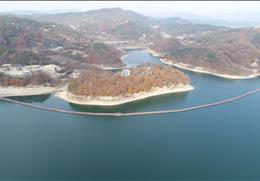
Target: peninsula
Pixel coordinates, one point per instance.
(231, 54)
(107, 89)
(78, 56)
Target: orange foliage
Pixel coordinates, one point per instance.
(144, 78)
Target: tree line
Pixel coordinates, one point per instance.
(141, 79)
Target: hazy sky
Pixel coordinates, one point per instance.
(215, 9)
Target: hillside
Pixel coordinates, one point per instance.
(178, 26)
(92, 16)
(72, 39)
(29, 42)
(124, 25)
(141, 79)
(111, 20)
(232, 52)
(22, 33)
(23, 41)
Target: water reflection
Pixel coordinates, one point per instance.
(32, 99)
(149, 103)
(133, 59)
(219, 142)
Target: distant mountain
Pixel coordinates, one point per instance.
(232, 24)
(102, 20)
(32, 12)
(19, 12)
(234, 20)
(123, 24)
(70, 37)
(174, 20)
(109, 14)
(218, 22)
(179, 26)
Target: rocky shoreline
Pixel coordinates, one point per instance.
(112, 101)
(200, 69)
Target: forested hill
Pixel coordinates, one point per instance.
(20, 36)
(218, 49)
(22, 33)
(28, 42)
(141, 79)
(233, 52)
(123, 24)
(115, 21)
(106, 15)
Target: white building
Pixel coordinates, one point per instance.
(125, 73)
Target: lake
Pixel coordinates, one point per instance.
(215, 144)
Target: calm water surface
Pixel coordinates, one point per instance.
(215, 143)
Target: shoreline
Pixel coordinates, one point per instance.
(12, 91)
(113, 101)
(155, 53)
(200, 69)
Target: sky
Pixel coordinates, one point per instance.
(213, 9)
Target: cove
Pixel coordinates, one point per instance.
(216, 143)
